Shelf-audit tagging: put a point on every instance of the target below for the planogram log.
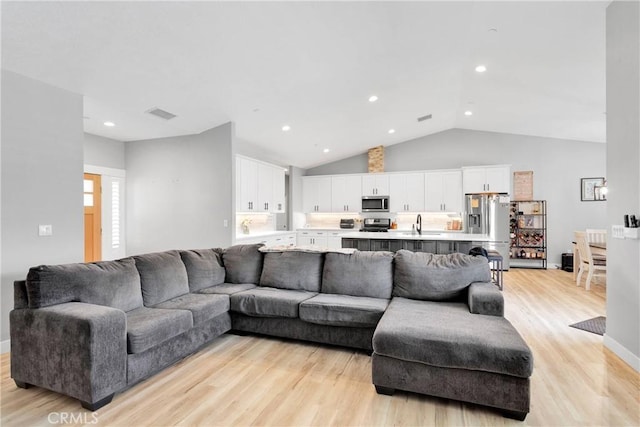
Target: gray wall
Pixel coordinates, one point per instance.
(179, 191)
(623, 163)
(558, 166)
(42, 149)
(105, 152)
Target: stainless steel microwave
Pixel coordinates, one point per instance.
(375, 204)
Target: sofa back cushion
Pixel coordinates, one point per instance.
(110, 283)
(297, 270)
(243, 263)
(431, 277)
(162, 276)
(360, 274)
(204, 268)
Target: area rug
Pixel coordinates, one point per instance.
(597, 325)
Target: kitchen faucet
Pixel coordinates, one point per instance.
(419, 222)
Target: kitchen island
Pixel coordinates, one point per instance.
(434, 242)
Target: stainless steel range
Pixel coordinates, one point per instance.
(376, 224)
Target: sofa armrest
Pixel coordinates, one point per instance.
(485, 298)
(77, 349)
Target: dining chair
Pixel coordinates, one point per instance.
(588, 262)
(596, 236)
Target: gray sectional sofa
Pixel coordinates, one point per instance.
(434, 323)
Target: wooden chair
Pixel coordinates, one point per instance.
(587, 261)
(596, 236)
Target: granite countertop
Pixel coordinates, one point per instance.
(326, 229)
(429, 235)
(263, 234)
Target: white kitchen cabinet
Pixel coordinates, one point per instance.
(375, 185)
(270, 188)
(259, 186)
(346, 193)
(265, 187)
(486, 179)
(443, 191)
(334, 240)
(406, 192)
(279, 199)
(316, 194)
(246, 185)
(287, 239)
(316, 239)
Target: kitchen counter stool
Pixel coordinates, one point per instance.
(495, 260)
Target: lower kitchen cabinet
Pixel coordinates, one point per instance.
(393, 245)
(419, 246)
(359, 244)
(385, 245)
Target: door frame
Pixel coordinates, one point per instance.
(116, 173)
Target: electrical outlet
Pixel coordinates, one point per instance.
(45, 230)
(225, 223)
(617, 231)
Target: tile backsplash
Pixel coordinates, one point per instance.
(430, 221)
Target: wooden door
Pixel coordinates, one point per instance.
(92, 218)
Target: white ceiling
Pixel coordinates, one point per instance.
(313, 65)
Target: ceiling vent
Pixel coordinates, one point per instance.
(160, 113)
(423, 118)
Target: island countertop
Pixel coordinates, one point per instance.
(428, 236)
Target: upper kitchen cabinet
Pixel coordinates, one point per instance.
(259, 186)
(246, 185)
(375, 185)
(270, 188)
(486, 179)
(406, 192)
(316, 194)
(346, 193)
(443, 191)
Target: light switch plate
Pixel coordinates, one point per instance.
(45, 230)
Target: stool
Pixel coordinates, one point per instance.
(495, 259)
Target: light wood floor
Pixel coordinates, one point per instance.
(261, 381)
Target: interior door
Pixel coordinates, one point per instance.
(92, 218)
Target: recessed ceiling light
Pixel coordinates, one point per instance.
(109, 124)
(326, 150)
(468, 113)
(392, 131)
(286, 128)
(373, 98)
(481, 68)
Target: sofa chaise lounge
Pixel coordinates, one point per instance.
(434, 323)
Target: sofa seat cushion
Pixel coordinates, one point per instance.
(360, 274)
(269, 302)
(433, 277)
(447, 335)
(343, 310)
(243, 263)
(204, 268)
(148, 327)
(202, 307)
(297, 270)
(227, 288)
(111, 283)
(162, 275)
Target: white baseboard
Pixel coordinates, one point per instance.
(622, 352)
(5, 346)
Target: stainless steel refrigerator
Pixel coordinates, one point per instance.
(488, 214)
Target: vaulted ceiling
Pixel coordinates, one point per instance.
(314, 65)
